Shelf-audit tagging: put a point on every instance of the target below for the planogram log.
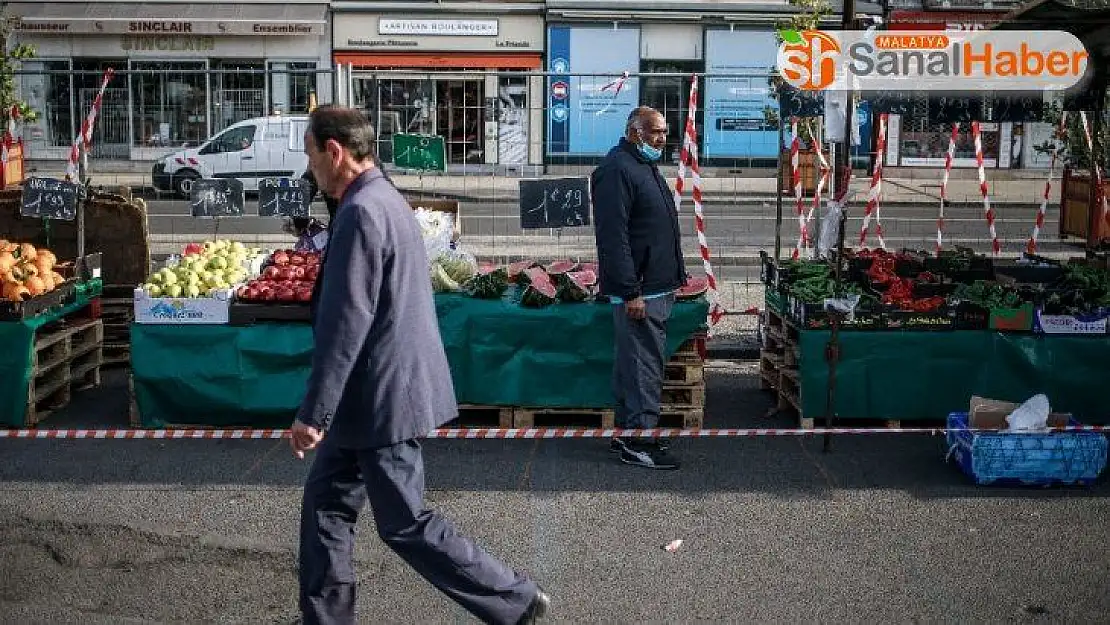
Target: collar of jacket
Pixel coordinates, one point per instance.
(359, 182)
(631, 148)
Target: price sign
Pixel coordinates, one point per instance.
(794, 102)
(554, 203)
(283, 197)
(216, 197)
(50, 198)
(422, 152)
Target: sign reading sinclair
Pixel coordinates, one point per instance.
(464, 28)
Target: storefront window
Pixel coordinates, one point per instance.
(49, 94)
(404, 106)
(671, 97)
(238, 92)
(460, 116)
(289, 91)
(111, 133)
(170, 108)
(512, 120)
(926, 144)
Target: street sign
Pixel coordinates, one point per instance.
(420, 152)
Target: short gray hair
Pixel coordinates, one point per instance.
(638, 116)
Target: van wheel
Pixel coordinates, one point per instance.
(183, 182)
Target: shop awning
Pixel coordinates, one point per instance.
(97, 18)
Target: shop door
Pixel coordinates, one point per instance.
(460, 118)
(671, 97)
(111, 130)
(395, 104)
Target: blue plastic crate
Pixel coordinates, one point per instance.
(1044, 459)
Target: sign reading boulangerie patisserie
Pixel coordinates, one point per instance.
(464, 28)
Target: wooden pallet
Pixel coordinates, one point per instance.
(684, 395)
(117, 310)
(684, 373)
(472, 415)
(66, 359)
(117, 355)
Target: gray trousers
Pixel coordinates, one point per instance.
(339, 485)
(640, 347)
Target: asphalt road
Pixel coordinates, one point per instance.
(878, 530)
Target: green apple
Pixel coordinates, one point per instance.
(173, 290)
(169, 277)
(238, 247)
(219, 262)
(156, 279)
(152, 290)
(192, 291)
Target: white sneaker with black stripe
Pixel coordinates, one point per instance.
(647, 454)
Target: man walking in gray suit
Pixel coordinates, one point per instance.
(379, 382)
(639, 255)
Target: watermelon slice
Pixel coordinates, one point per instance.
(693, 289)
(540, 290)
(577, 286)
(516, 270)
(589, 267)
(560, 267)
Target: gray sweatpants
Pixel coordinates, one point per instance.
(639, 349)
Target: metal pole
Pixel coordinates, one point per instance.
(778, 194)
(82, 173)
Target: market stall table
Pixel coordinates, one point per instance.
(500, 354)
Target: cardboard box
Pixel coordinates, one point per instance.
(182, 310)
(990, 414)
(442, 206)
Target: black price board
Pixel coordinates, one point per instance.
(49, 198)
(216, 197)
(283, 197)
(794, 102)
(950, 108)
(555, 203)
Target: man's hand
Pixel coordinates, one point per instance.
(303, 438)
(637, 308)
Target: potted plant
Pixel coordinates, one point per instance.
(12, 108)
(1080, 199)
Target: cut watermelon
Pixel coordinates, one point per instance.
(488, 284)
(693, 289)
(577, 286)
(540, 290)
(560, 267)
(516, 270)
(589, 267)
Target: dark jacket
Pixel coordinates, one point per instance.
(639, 243)
(379, 370)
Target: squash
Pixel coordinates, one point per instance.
(57, 278)
(19, 293)
(35, 285)
(7, 261)
(27, 252)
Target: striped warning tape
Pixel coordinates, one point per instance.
(495, 433)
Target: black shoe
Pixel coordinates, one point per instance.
(537, 609)
(619, 444)
(648, 456)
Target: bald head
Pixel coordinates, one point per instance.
(646, 125)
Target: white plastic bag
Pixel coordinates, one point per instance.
(437, 228)
(829, 235)
(1032, 416)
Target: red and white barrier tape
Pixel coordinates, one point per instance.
(85, 136)
(826, 171)
(944, 184)
(616, 85)
(876, 190)
(499, 433)
(996, 247)
(1031, 246)
(1097, 165)
(796, 184)
(689, 154)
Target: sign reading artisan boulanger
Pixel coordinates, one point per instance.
(927, 61)
(464, 28)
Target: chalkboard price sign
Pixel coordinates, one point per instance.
(420, 152)
(794, 102)
(50, 198)
(216, 197)
(283, 197)
(554, 203)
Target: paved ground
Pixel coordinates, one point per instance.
(878, 530)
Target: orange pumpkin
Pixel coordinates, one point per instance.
(48, 255)
(57, 278)
(35, 285)
(47, 282)
(19, 293)
(7, 261)
(43, 266)
(6, 288)
(27, 252)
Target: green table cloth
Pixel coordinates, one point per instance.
(909, 375)
(499, 354)
(17, 351)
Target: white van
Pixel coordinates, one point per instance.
(263, 147)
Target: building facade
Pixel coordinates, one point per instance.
(464, 71)
(732, 42)
(184, 70)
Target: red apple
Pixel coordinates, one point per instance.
(280, 258)
(271, 273)
(311, 272)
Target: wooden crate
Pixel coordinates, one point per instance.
(118, 313)
(683, 373)
(67, 358)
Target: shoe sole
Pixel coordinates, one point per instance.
(617, 450)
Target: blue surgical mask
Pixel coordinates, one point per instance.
(650, 153)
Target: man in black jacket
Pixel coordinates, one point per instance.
(639, 248)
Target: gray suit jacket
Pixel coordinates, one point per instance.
(379, 370)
